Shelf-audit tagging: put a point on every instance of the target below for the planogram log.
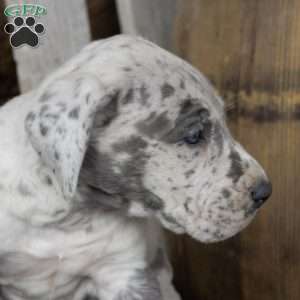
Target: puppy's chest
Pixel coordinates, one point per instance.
(42, 257)
(81, 249)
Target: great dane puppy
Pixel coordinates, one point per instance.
(123, 138)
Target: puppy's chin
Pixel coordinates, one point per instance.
(206, 232)
(214, 234)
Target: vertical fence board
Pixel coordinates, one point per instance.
(152, 19)
(103, 18)
(251, 51)
(67, 31)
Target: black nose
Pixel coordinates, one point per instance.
(261, 192)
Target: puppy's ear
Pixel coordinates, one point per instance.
(60, 123)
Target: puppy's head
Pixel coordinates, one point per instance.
(143, 130)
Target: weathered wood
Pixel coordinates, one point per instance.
(251, 52)
(152, 19)
(103, 17)
(67, 31)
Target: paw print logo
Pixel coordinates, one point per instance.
(24, 31)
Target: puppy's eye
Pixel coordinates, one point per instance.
(195, 136)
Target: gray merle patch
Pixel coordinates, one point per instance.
(153, 127)
(167, 90)
(236, 168)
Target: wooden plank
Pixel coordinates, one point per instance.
(152, 19)
(103, 17)
(67, 31)
(251, 51)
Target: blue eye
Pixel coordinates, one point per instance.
(194, 137)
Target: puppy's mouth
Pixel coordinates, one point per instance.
(251, 211)
(241, 217)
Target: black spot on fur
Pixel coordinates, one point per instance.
(127, 69)
(236, 168)
(196, 154)
(226, 193)
(43, 129)
(49, 180)
(189, 173)
(186, 204)
(186, 106)
(87, 98)
(188, 186)
(167, 90)
(128, 97)
(74, 113)
(56, 155)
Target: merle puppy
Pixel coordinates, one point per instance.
(123, 138)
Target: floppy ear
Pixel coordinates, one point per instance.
(60, 123)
